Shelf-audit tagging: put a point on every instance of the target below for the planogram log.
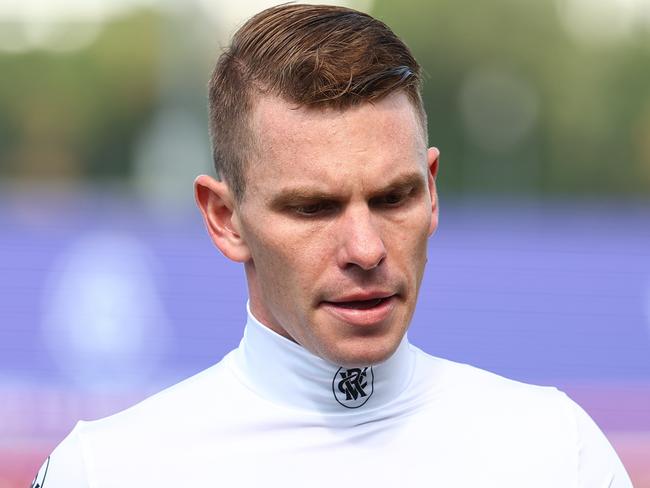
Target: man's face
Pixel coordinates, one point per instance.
(336, 216)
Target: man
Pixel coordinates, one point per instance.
(326, 193)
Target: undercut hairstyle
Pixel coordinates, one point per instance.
(315, 56)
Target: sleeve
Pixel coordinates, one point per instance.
(65, 467)
(599, 465)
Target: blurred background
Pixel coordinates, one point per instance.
(110, 289)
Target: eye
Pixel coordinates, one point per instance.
(313, 209)
(393, 199)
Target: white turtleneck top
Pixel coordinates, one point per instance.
(271, 414)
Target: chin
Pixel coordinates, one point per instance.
(365, 351)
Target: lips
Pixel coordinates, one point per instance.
(362, 310)
(360, 304)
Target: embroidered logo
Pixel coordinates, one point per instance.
(40, 477)
(354, 386)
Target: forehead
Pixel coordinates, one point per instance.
(328, 145)
(276, 120)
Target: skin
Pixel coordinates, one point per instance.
(338, 207)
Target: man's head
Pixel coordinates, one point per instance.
(327, 190)
(316, 56)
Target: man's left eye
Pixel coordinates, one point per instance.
(391, 199)
(394, 198)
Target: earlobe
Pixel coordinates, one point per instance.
(217, 206)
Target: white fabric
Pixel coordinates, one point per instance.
(266, 415)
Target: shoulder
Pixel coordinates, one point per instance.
(170, 418)
(463, 382)
(65, 467)
(149, 437)
(503, 412)
(177, 406)
(534, 426)
(505, 405)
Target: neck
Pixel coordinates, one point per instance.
(285, 373)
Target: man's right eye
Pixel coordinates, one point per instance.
(313, 209)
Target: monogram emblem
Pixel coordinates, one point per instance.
(353, 387)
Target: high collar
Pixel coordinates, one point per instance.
(286, 373)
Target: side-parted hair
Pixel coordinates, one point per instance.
(318, 56)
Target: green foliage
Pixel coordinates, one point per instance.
(593, 115)
(515, 103)
(77, 114)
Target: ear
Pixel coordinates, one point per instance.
(433, 158)
(220, 214)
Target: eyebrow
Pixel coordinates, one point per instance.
(402, 183)
(405, 182)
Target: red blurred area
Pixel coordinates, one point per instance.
(19, 465)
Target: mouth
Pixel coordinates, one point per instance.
(362, 311)
(360, 304)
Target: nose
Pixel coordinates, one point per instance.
(361, 243)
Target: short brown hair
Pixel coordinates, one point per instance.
(312, 55)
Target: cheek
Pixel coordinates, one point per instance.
(289, 254)
(409, 236)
